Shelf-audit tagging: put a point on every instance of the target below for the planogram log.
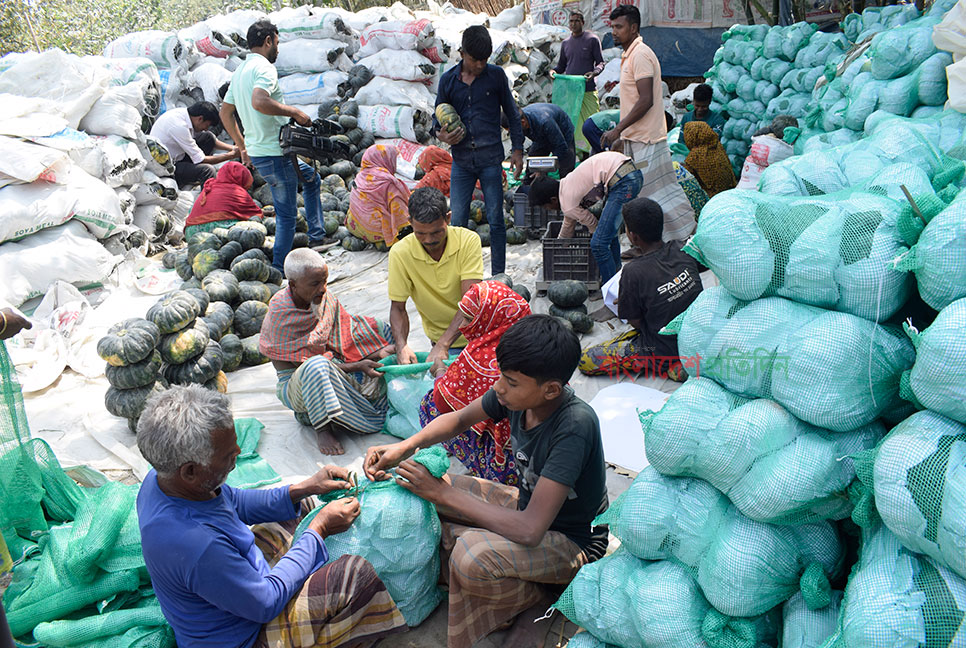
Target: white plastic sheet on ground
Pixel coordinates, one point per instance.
(67, 253)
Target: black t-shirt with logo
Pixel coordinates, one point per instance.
(655, 288)
(565, 448)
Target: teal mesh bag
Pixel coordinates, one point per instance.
(773, 467)
(568, 93)
(919, 481)
(834, 251)
(833, 370)
(587, 640)
(803, 627)
(102, 628)
(251, 469)
(629, 602)
(405, 392)
(689, 522)
(398, 533)
(938, 259)
(898, 599)
(937, 381)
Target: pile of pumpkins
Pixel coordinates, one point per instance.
(195, 334)
(567, 304)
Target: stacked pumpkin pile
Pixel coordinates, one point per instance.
(477, 221)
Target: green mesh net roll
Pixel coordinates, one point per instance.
(898, 599)
(833, 370)
(688, 521)
(773, 467)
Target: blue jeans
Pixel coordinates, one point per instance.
(605, 244)
(461, 183)
(284, 183)
(592, 134)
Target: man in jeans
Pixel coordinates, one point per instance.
(479, 92)
(256, 96)
(641, 132)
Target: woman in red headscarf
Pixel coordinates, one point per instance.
(490, 308)
(223, 200)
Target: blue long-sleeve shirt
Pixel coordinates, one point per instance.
(550, 128)
(214, 585)
(479, 105)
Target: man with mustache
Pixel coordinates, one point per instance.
(435, 266)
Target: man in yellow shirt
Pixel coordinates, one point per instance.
(435, 266)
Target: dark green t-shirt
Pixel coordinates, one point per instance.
(567, 449)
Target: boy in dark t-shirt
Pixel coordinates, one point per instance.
(654, 288)
(507, 542)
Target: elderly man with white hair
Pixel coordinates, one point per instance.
(221, 583)
(325, 358)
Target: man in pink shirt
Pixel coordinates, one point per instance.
(641, 132)
(607, 175)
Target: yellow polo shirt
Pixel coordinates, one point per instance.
(435, 285)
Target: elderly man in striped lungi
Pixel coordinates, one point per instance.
(325, 358)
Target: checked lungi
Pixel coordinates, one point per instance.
(661, 186)
(492, 579)
(342, 604)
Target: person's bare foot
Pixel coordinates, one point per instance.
(329, 443)
(527, 632)
(602, 314)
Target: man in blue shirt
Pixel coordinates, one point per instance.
(207, 567)
(479, 92)
(549, 128)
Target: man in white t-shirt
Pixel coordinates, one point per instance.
(184, 132)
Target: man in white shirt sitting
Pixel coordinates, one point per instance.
(184, 132)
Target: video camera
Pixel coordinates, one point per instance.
(313, 142)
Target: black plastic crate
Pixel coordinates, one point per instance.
(568, 258)
(526, 216)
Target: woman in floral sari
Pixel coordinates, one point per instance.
(379, 202)
(490, 308)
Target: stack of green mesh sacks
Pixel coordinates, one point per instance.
(893, 68)
(88, 586)
(761, 72)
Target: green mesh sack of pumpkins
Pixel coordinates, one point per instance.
(567, 304)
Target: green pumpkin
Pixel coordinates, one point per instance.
(503, 278)
(183, 345)
(169, 259)
(219, 383)
(134, 375)
(251, 270)
(348, 122)
(174, 311)
(269, 224)
(231, 349)
(273, 288)
(191, 284)
(253, 291)
(206, 261)
(381, 246)
(198, 370)
(254, 253)
(523, 291)
(567, 294)
(478, 211)
(251, 356)
(128, 342)
(566, 323)
(301, 224)
(330, 225)
(368, 139)
(221, 285)
(484, 233)
(221, 232)
(182, 265)
(340, 233)
(516, 236)
(275, 276)
(580, 321)
(300, 240)
(471, 225)
(203, 241)
(249, 234)
(268, 248)
(333, 181)
(129, 403)
(350, 108)
(220, 315)
(344, 169)
(200, 296)
(329, 202)
(229, 252)
(248, 318)
(353, 244)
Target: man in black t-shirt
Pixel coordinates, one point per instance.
(654, 288)
(507, 543)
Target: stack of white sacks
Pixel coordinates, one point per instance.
(82, 183)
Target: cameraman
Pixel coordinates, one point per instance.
(256, 96)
